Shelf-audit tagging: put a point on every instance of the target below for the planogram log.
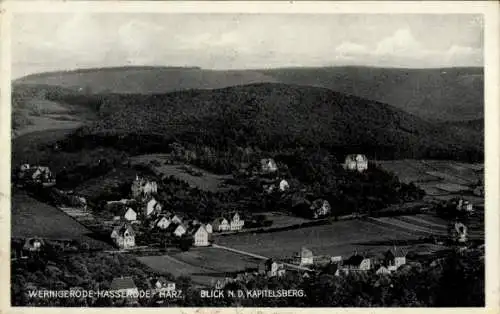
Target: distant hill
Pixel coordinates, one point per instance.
(438, 94)
(272, 116)
(144, 80)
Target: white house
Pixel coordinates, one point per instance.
(209, 228)
(130, 214)
(123, 236)
(284, 185)
(161, 285)
(33, 245)
(236, 222)
(306, 257)
(178, 230)
(177, 219)
(152, 207)
(357, 162)
(336, 259)
(268, 165)
(464, 205)
(220, 224)
(271, 268)
(320, 208)
(162, 223)
(200, 236)
(269, 188)
(142, 187)
(394, 259)
(357, 263)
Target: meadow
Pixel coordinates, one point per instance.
(339, 238)
(439, 178)
(207, 181)
(31, 218)
(203, 265)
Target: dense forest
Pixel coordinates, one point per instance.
(270, 117)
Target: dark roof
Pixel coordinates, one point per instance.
(122, 283)
(124, 227)
(218, 220)
(354, 260)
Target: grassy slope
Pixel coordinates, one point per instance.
(34, 111)
(445, 94)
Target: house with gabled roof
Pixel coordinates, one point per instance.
(382, 270)
(394, 258)
(271, 268)
(236, 222)
(143, 188)
(320, 208)
(177, 219)
(209, 228)
(284, 185)
(123, 236)
(177, 229)
(130, 215)
(464, 205)
(357, 263)
(33, 244)
(305, 257)
(268, 165)
(200, 235)
(356, 162)
(161, 285)
(152, 207)
(162, 222)
(220, 224)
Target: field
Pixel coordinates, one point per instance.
(46, 115)
(32, 218)
(202, 264)
(208, 181)
(438, 178)
(26, 148)
(111, 181)
(339, 238)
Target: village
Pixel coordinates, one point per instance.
(142, 223)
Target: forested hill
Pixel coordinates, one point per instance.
(272, 117)
(433, 94)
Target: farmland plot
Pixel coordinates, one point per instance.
(339, 238)
(203, 265)
(408, 171)
(32, 218)
(410, 226)
(207, 181)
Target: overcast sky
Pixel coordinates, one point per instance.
(62, 41)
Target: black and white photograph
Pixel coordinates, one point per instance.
(270, 160)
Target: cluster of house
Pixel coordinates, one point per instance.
(30, 247)
(392, 260)
(356, 162)
(270, 180)
(123, 233)
(35, 174)
(464, 206)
